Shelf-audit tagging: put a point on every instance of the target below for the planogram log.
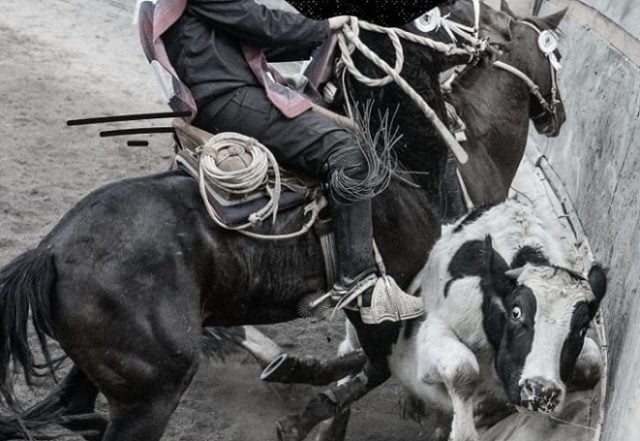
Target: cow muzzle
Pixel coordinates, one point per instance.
(540, 394)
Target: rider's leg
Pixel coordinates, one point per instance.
(315, 145)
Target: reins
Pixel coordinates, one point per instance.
(434, 20)
(256, 174)
(349, 41)
(534, 89)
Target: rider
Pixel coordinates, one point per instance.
(215, 47)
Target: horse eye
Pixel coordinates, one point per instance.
(516, 313)
(583, 331)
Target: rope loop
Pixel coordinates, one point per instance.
(349, 41)
(245, 180)
(262, 171)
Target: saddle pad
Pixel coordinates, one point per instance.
(234, 215)
(237, 212)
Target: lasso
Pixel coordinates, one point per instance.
(246, 180)
(349, 41)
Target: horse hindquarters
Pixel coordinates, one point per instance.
(134, 336)
(141, 350)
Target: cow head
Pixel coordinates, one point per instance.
(547, 316)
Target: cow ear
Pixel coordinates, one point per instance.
(598, 283)
(504, 7)
(553, 20)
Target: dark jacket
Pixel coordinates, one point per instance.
(204, 45)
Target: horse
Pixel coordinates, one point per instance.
(502, 148)
(128, 278)
(495, 145)
(496, 106)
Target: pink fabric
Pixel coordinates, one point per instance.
(153, 22)
(287, 100)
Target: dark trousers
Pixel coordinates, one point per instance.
(304, 143)
(312, 144)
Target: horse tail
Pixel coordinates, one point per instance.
(26, 284)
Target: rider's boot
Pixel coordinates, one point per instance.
(358, 285)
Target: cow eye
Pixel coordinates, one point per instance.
(516, 313)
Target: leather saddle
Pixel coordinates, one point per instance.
(234, 210)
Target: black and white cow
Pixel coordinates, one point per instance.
(506, 318)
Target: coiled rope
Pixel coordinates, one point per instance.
(256, 175)
(349, 41)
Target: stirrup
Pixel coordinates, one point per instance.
(345, 296)
(390, 303)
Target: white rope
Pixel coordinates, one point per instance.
(433, 20)
(246, 180)
(533, 87)
(349, 40)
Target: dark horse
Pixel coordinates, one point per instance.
(496, 107)
(128, 278)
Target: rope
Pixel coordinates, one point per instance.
(349, 41)
(533, 87)
(247, 180)
(548, 106)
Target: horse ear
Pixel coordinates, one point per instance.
(598, 283)
(504, 7)
(553, 20)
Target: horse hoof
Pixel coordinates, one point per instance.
(288, 429)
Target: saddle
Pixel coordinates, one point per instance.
(236, 209)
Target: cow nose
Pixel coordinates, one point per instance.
(540, 394)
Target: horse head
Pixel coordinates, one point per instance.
(463, 22)
(538, 58)
(546, 319)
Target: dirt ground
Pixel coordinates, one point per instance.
(80, 58)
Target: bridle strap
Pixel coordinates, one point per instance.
(548, 106)
(533, 87)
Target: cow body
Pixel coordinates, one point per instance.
(506, 318)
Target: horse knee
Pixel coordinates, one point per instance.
(143, 419)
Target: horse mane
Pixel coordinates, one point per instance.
(415, 146)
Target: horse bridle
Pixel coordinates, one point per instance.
(550, 106)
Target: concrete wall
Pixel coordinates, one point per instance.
(598, 157)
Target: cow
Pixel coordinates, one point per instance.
(506, 317)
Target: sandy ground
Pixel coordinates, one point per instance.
(81, 58)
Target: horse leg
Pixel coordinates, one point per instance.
(333, 401)
(75, 396)
(335, 429)
(143, 397)
(140, 354)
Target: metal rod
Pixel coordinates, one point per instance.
(129, 117)
(137, 131)
(137, 143)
